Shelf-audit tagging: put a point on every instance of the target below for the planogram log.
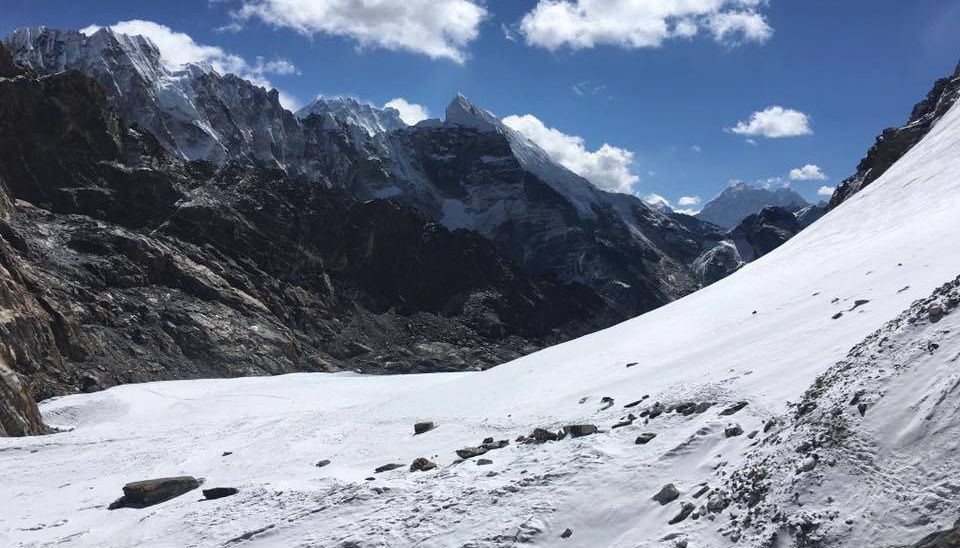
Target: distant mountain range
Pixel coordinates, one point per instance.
(740, 200)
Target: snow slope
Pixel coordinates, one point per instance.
(762, 336)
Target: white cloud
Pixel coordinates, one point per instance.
(751, 142)
(178, 49)
(689, 200)
(696, 148)
(826, 191)
(607, 167)
(774, 122)
(586, 88)
(736, 27)
(580, 24)
(410, 113)
(809, 172)
(689, 211)
(440, 29)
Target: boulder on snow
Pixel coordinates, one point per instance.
(733, 431)
(470, 452)
(567, 533)
(685, 510)
(580, 430)
(423, 427)
(667, 494)
(541, 435)
(219, 492)
(716, 503)
(935, 313)
(422, 465)
(324, 462)
(645, 438)
(388, 467)
(733, 409)
(141, 494)
(484, 462)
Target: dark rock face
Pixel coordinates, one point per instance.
(124, 264)
(893, 143)
(810, 214)
(141, 494)
(763, 232)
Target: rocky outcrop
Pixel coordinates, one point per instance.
(893, 143)
(763, 232)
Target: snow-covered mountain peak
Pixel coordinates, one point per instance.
(51, 50)
(461, 112)
(739, 200)
(371, 119)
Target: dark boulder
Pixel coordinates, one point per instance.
(733, 409)
(645, 438)
(667, 494)
(685, 510)
(423, 427)
(387, 467)
(219, 492)
(141, 494)
(422, 465)
(541, 435)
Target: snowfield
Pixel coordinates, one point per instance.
(762, 336)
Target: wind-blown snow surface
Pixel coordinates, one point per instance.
(762, 336)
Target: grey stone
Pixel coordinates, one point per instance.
(667, 494)
(141, 494)
(645, 438)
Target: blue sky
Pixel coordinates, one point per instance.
(664, 101)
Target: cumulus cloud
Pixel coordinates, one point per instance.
(579, 24)
(826, 191)
(809, 172)
(439, 29)
(410, 113)
(178, 49)
(607, 167)
(687, 201)
(773, 123)
(736, 27)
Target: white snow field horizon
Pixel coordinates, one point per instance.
(762, 336)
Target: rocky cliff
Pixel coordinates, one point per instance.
(893, 143)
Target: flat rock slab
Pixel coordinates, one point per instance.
(141, 494)
(219, 492)
(388, 467)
